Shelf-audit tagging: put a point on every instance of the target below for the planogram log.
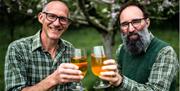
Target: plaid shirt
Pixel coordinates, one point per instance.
(162, 73)
(27, 63)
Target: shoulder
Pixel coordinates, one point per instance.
(168, 55)
(168, 50)
(19, 47)
(160, 42)
(20, 43)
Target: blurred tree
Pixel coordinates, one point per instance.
(16, 12)
(100, 14)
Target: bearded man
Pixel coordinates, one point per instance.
(144, 62)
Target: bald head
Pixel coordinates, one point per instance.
(56, 4)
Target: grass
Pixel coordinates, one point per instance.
(85, 37)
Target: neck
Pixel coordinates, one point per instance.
(49, 45)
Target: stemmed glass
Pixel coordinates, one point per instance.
(98, 56)
(79, 58)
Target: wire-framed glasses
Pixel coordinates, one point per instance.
(135, 23)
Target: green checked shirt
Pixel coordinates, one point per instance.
(27, 63)
(160, 76)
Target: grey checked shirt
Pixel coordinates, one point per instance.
(27, 63)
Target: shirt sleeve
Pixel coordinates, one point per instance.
(14, 71)
(161, 76)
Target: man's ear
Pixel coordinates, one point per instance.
(148, 22)
(40, 17)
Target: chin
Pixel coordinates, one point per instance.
(54, 36)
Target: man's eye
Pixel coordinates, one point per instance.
(63, 18)
(135, 21)
(124, 24)
(52, 16)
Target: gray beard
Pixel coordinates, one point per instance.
(139, 45)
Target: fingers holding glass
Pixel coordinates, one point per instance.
(79, 58)
(111, 74)
(97, 58)
(67, 72)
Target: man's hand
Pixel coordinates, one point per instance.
(65, 73)
(111, 74)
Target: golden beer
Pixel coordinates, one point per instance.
(81, 62)
(97, 63)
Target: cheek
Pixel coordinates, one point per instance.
(46, 24)
(124, 31)
(140, 28)
(65, 27)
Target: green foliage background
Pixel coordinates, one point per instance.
(83, 36)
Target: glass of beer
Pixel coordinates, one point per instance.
(98, 56)
(79, 58)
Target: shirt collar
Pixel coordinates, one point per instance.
(37, 42)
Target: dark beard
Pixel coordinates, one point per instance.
(138, 45)
(135, 46)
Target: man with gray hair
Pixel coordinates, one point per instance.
(42, 62)
(145, 63)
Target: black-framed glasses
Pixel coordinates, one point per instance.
(135, 23)
(52, 17)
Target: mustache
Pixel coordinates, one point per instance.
(131, 34)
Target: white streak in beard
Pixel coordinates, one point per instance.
(138, 46)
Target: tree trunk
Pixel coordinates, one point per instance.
(108, 41)
(12, 32)
(11, 25)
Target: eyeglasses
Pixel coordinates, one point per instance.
(135, 23)
(52, 17)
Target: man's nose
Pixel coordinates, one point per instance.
(57, 22)
(131, 28)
